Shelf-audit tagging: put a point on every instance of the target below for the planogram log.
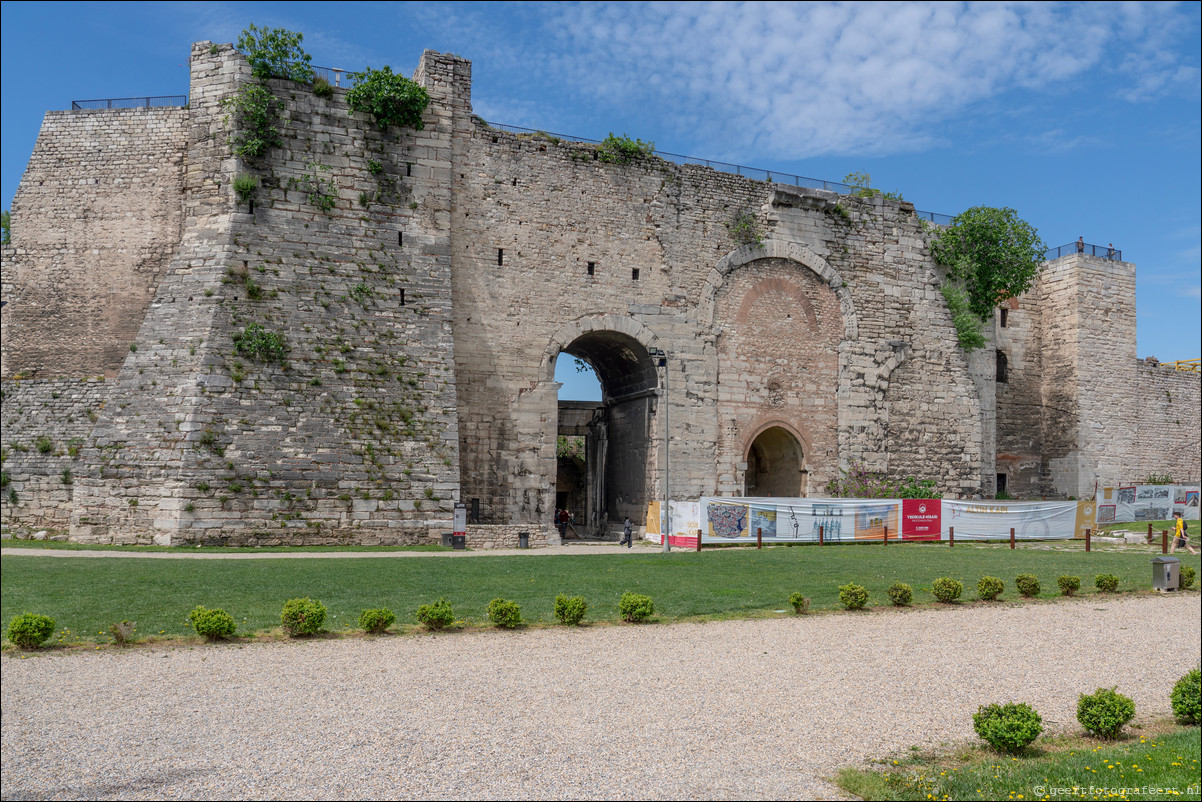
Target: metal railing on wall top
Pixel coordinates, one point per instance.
(160, 101)
(1101, 251)
(755, 173)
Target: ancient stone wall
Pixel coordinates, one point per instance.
(96, 219)
(352, 435)
(45, 425)
(1166, 406)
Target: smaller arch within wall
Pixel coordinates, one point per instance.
(778, 249)
(775, 457)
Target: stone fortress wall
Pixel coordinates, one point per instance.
(424, 314)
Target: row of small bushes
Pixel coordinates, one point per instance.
(302, 617)
(989, 588)
(1103, 714)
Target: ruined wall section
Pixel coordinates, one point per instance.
(535, 212)
(44, 425)
(1166, 407)
(95, 223)
(351, 437)
(1020, 409)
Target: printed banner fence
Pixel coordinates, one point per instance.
(841, 520)
(1135, 503)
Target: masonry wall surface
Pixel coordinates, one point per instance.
(424, 311)
(98, 216)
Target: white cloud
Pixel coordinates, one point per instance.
(820, 78)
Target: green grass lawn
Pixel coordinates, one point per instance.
(1159, 763)
(87, 595)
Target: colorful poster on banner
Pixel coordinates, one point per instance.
(685, 523)
(726, 520)
(921, 519)
(829, 515)
(1148, 503)
(874, 520)
(653, 519)
(1086, 512)
(1106, 513)
(763, 522)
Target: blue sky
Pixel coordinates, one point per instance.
(1084, 117)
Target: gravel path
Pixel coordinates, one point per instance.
(729, 709)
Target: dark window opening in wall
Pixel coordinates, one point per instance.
(500, 256)
(634, 274)
(515, 182)
(252, 207)
(400, 238)
(408, 169)
(1001, 483)
(1003, 321)
(592, 268)
(402, 296)
(1002, 368)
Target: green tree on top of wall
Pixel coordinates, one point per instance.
(6, 227)
(991, 255)
(389, 98)
(275, 53)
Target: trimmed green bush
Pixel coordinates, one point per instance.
(989, 588)
(1107, 583)
(1104, 712)
(504, 613)
(212, 624)
(30, 630)
(1009, 727)
(900, 594)
(570, 610)
(1186, 577)
(1187, 697)
(946, 589)
(853, 596)
(1027, 584)
(1069, 585)
(801, 604)
(635, 607)
(376, 622)
(302, 616)
(436, 616)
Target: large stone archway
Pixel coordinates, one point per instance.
(620, 453)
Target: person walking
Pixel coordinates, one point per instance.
(627, 534)
(1180, 539)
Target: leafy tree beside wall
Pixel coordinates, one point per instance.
(991, 255)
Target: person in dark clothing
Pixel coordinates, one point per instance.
(627, 534)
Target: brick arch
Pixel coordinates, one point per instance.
(779, 249)
(572, 331)
(776, 285)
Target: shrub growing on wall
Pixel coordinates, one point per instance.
(258, 343)
(389, 98)
(991, 255)
(253, 111)
(275, 53)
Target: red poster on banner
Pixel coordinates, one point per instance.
(920, 518)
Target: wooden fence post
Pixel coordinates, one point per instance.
(885, 539)
(698, 540)
(819, 535)
(1087, 539)
(1164, 542)
(759, 537)
(1012, 537)
(1149, 533)
(951, 536)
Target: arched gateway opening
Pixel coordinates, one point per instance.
(775, 465)
(604, 459)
